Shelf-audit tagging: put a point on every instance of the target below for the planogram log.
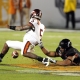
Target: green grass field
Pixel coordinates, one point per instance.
(50, 41)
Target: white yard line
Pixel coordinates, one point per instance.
(63, 73)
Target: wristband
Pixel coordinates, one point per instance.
(12, 27)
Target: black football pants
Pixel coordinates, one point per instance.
(70, 16)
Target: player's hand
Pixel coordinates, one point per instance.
(52, 60)
(11, 27)
(45, 61)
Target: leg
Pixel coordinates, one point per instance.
(67, 20)
(14, 18)
(10, 44)
(73, 19)
(10, 20)
(4, 51)
(21, 17)
(26, 51)
(27, 14)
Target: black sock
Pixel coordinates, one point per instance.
(39, 58)
(1, 55)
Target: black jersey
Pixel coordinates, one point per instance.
(71, 52)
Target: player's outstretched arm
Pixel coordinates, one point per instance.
(66, 62)
(46, 52)
(20, 28)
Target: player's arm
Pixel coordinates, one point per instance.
(49, 53)
(46, 52)
(21, 28)
(66, 62)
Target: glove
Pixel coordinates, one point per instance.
(52, 60)
(45, 61)
(41, 44)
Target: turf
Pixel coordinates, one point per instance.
(50, 41)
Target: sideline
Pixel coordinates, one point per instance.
(47, 29)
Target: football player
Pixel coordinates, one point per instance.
(65, 50)
(31, 38)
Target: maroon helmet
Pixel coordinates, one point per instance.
(36, 13)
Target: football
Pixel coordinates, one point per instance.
(15, 54)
